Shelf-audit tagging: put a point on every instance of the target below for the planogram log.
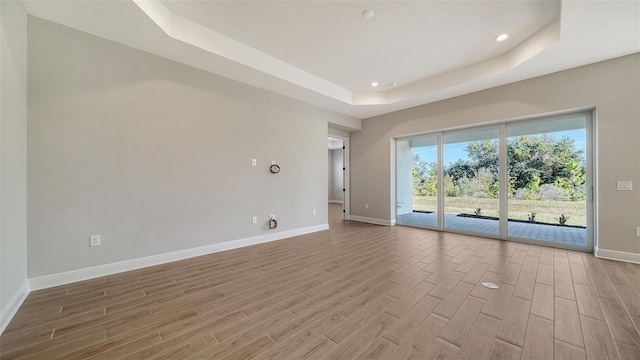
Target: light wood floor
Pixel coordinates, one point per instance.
(357, 291)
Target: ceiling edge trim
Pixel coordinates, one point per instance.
(537, 43)
(194, 34)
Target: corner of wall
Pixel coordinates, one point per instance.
(14, 304)
(14, 286)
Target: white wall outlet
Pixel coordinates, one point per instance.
(366, 206)
(638, 231)
(272, 217)
(624, 185)
(94, 240)
(254, 162)
(313, 212)
(254, 219)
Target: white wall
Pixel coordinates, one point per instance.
(13, 162)
(155, 156)
(612, 87)
(337, 175)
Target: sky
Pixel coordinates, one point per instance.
(453, 152)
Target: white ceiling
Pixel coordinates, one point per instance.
(402, 43)
(326, 53)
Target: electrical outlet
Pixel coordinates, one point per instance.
(254, 220)
(366, 206)
(638, 231)
(94, 240)
(313, 212)
(624, 185)
(254, 162)
(272, 217)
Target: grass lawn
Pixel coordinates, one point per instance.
(546, 211)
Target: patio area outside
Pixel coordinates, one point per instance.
(546, 225)
(538, 231)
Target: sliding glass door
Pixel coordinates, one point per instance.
(471, 179)
(527, 181)
(549, 180)
(417, 181)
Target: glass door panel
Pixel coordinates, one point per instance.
(417, 181)
(548, 181)
(471, 181)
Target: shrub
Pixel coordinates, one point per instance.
(481, 185)
(579, 193)
(526, 194)
(563, 219)
(552, 192)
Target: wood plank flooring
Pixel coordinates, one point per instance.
(357, 291)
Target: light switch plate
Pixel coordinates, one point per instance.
(94, 240)
(624, 185)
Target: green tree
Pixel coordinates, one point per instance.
(459, 170)
(574, 182)
(449, 186)
(533, 161)
(421, 174)
(541, 156)
(483, 155)
(431, 180)
(425, 177)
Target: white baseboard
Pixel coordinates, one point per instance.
(372, 220)
(335, 201)
(68, 277)
(618, 255)
(14, 304)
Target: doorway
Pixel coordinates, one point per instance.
(338, 180)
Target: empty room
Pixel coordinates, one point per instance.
(328, 180)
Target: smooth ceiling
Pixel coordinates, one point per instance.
(403, 42)
(325, 53)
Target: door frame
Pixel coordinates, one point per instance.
(590, 174)
(346, 204)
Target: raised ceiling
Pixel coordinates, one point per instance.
(402, 43)
(326, 53)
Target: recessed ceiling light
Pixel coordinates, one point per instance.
(502, 37)
(374, 84)
(367, 14)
